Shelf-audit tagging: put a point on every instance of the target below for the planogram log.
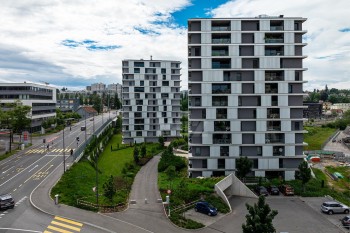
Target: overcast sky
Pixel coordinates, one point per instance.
(73, 43)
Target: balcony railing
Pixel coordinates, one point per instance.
(274, 78)
(275, 140)
(220, 103)
(221, 41)
(274, 90)
(226, 154)
(222, 128)
(274, 40)
(221, 141)
(276, 28)
(273, 116)
(275, 128)
(227, 91)
(219, 53)
(220, 66)
(221, 116)
(273, 53)
(220, 28)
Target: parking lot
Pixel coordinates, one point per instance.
(295, 215)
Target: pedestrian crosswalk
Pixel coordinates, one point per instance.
(63, 225)
(42, 150)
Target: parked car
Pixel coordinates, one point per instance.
(273, 190)
(6, 202)
(205, 208)
(286, 189)
(346, 222)
(331, 207)
(261, 190)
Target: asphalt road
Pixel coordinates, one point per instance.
(22, 172)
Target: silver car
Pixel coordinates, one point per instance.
(331, 207)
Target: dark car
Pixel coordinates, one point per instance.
(346, 222)
(261, 190)
(286, 190)
(6, 202)
(205, 208)
(273, 190)
(331, 207)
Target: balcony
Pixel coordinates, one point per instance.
(222, 140)
(220, 28)
(221, 41)
(274, 138)
(219, 65)
(273, 116)
(222, 126)
(274, 76)
(219, 53)
(273, 52)
(276, 28)
(274, 38)
(221, 89)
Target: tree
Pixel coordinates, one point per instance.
(161, 141)
(184, 102)
(304, 173)
(96, 103)
(109, 188)
(81, 99)
(18, 117)
(143, 150)
(259, 218)
(136, 154)
(243, 166)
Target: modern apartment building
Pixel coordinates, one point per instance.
(246, 95)
(115, 88)
(151, 100)
(98, 87)
(41, 99)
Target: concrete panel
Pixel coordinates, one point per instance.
(206, 63)
(283, 88)
(260, 89)
(289, 175)
(232, 113)
(259, 173)
(235, 37)
(289, 151)
(259, 75)
(289, 37)
(205, 50)
(289, 25)
(237, 139)
(289, 138)
(286, 125)
(206, 38)
(240, 189)
(289, 50)
(206, 25)
(289, 75)
(208, 126)
(236, 25)
(273, 163)
(233, 50)
(212, 163)
(267, 151)
(269, 62)
(283, 100)
(236, 88)
(214, 151)
(259, 50)
(236, 63)
(207, 138)
(264, 25)
(259, 37)
(285, 113)
(259, 138)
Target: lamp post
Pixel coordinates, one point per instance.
(64, 154)
(96, 160)
(85, 126)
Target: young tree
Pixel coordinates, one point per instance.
(304, 173)
(109, 188)
(259, 218)
(96, 103)
(161, 141)
(143, 150)
(19, 120)
(136, 154)
(243, 166)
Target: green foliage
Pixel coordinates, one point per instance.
(184, 102)
(109, 189)
(169, 159)
(97, 103)
(18, 117)
(218, 203)
(243, 166)
(143, 150)
(304, 173)
(316, 136)
(185, 222)
(136, 154)
(161, 141)
(259, 218)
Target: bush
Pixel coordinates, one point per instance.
(169, 159)
(218, 203)
(184, 222)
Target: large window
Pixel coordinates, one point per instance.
(221, 88)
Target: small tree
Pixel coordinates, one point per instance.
(243, 166)
(136, 154)
(304, 173)
(143, 150)
(161, 141)
(109, 188)
(259, 218)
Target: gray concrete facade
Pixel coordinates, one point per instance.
(151, 100)
(246, 94)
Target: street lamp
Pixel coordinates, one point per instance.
(64, 154)
(85, 127)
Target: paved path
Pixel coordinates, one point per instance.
(336, 146)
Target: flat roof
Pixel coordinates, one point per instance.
(252, 18)
(28, 84)
(151, 60)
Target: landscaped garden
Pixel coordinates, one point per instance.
(173, 175)
(116, 171)
(316, 136)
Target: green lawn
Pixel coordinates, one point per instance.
(343, 184)
(316, 136)
(78, 181)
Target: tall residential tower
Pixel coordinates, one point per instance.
(246, 94)
(151, 100)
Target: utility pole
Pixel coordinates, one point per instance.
(102, 107)
(96, 161)
(10, 140)
(64, 154)
(85, 127)
(109, 109)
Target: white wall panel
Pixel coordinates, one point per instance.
(214, 151)
(289, 50)
(286, 125)
(259, 173)
(236, 88)
(206, 100)
(264, 25)
(230, 164)
(211, 114)
(283, 88)
(259, 75)
(235, 125)
(207, 173)
(282, 100)
(259, 138)
(234, 151)
(289, 175)
(206, 38)
(206, 51)
(236, 37)
(232, 100)
(260, 126)
(207, 138)
(236, 63)
(236, 25)
(206, 88)
(269, 62)
(289, 25)
(265, 101)
(267, 151)
(206, 63)
(285, 113)
(259, 88)
(289, 37)
(259, 37)
(212, 163)
(289, 150)
(259, 50)
(273, 163)
(206, 25)
(263, 164)
(289, 75)
(261, 113)
(289, 138)
(232, 113)
(237, 138)
(233, 50)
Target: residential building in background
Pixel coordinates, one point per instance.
(313, 110)
(151, 100)
(41, 99)
(246, 95)
(115, 88)
(86, 111)
(98, 87)
(68, 105)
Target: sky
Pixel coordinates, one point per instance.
(73, 43)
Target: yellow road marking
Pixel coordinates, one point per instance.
(69, 221)
(65, 225)
(47, 232)
(37, 172)
(58, 229)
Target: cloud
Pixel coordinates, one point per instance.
(75, 42)
(328, 49)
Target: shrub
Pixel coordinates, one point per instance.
(184, 222)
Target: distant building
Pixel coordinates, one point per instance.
(115, 88)
(88, 88)
(151, 100)
(340, 106)
(98, 87)
(41, 99)
(68, 105)
(313, 110)
(86, 111)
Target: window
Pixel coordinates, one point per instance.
(164, 77)
(163, 114)
(139, 108)
(136, 70)
(142, 83)
(164, 102)
(163, 71)
(165, 108)
(139, 133)
(138, 64)
(139, 102)
(139, 89)
(165, 83)
(166, 120)
(165, 95)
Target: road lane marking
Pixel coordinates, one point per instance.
(65, 225)
(69, 221)
(58, 229)
(33, 168)
(14, 190)
(16, 229)
(39, 169)
(7, 170)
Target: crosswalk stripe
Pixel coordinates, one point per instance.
(69, 221)
(65, 225)
(47, 232)
(58, 229)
